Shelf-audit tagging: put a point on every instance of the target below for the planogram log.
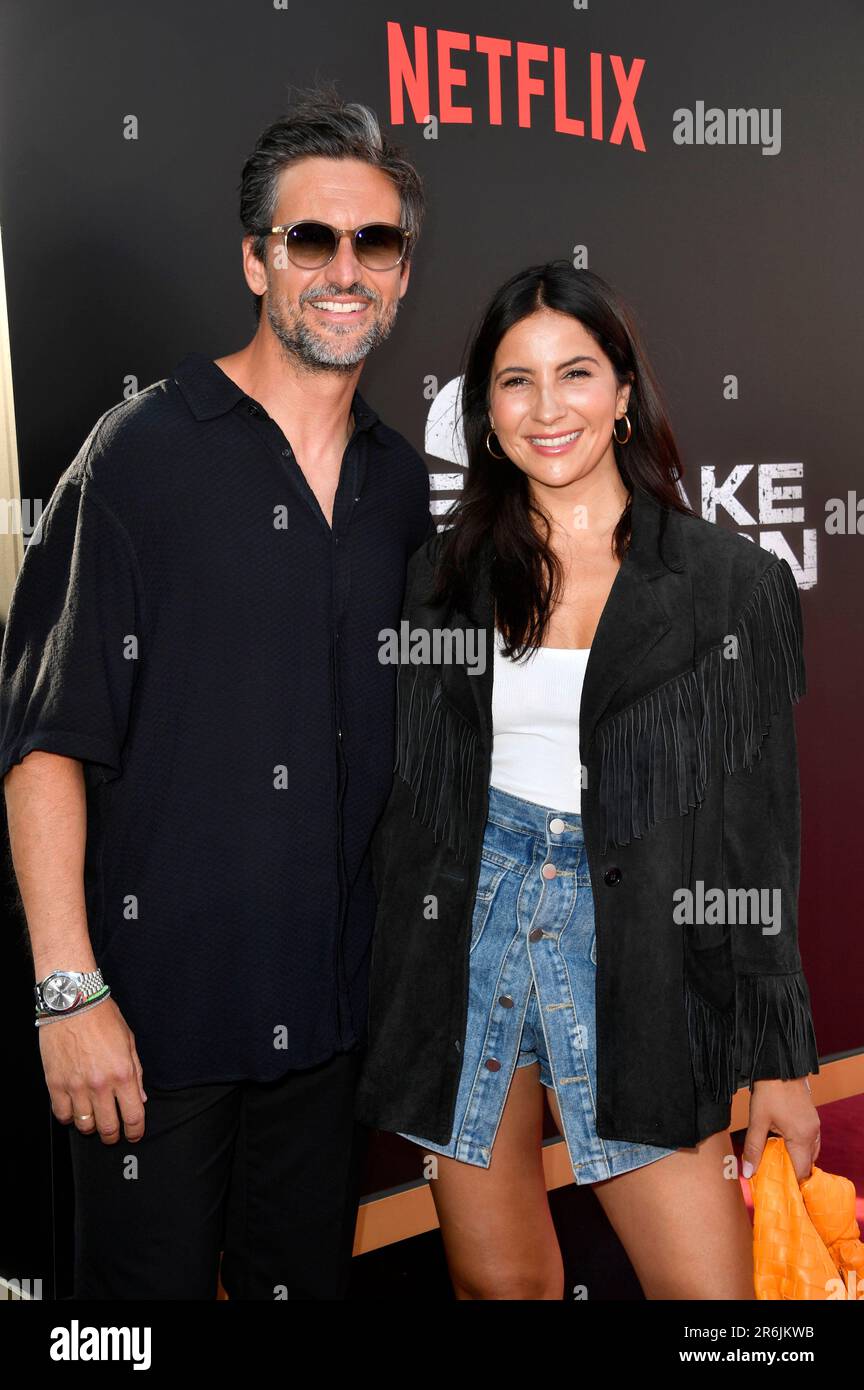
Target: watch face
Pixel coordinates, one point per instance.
(60, 991)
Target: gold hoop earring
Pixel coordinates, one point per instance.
(491, 450)
(626, 440)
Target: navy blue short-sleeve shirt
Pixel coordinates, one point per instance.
(187, 624)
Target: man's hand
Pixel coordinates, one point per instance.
(92, 1068)
(786, 1108)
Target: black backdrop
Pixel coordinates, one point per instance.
(740, 259)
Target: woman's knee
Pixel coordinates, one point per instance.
(515, 1285)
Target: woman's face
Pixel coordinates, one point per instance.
(554, 399)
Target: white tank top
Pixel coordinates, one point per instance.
(535, 725)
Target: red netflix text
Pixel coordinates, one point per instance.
(578, 110)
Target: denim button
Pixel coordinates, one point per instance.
(493, 1064)
(557, 826)
(505, 1001)
(549, 871)
(535, 935)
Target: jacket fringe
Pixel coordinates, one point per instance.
(725, 1047)
(712, 1045)
(435, 753)
(655, 755)
(776, 1006)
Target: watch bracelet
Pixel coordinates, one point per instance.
(47, 1016)
(90, 982)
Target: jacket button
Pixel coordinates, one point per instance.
(535, 935)
(549, 871)
(612, 876)
(505, 1001)
(557, 826)
(493, 1064)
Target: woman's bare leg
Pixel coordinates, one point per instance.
(498, 1234)
(683, 1222)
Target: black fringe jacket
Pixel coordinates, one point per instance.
(688, 744)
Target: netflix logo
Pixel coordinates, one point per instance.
(557, 88)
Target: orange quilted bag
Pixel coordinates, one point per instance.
(806, 1240)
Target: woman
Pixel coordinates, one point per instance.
(561, 820)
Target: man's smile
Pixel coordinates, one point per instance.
(339, 308)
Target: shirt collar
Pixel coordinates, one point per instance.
(208, 392)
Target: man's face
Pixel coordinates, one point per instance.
(343, 193)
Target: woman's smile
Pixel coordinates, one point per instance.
(554, 443)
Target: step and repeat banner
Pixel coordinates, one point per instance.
(700, 157)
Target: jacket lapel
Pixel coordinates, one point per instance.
(633, 619)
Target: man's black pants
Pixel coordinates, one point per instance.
(269, 1173)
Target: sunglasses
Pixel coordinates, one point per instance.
(310, 245)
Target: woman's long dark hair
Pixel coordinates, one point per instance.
(496, 509)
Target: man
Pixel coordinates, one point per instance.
(197, 742)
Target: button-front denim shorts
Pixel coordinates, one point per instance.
(531, 993)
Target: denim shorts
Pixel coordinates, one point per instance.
(531, 992)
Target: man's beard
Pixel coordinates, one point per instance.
(321, 351)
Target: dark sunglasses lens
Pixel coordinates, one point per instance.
(311, 244)
(379, 246)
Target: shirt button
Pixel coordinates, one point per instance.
(557, 826)
(492, 1064)
(505, 1001)
(549, 871)
(253, 409)
(286, 453)
(612, 876)
(535, 935)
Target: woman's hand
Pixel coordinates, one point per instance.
(786, 1108)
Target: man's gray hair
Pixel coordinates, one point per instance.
(318, 123)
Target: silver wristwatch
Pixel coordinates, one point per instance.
(68, 991)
